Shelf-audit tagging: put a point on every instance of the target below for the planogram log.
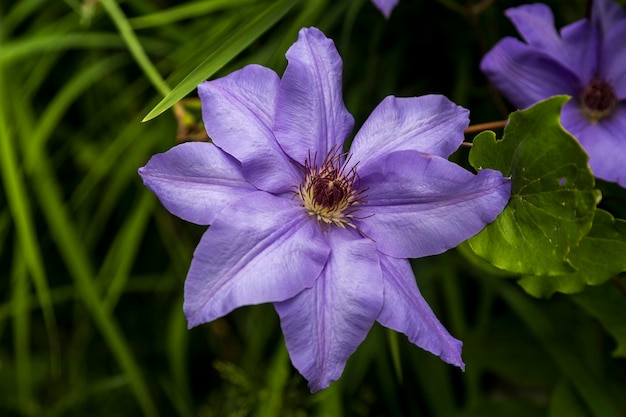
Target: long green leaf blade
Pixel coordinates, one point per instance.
(223, 54)
(15, 188)
(135, 47)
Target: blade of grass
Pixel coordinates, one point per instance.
(58, 295)
(77, 261)
(21, 11)
(277, 374)
(120, 258)
(38, 73)
(330, 401)
(135, 47)
(15, 189)
(21, 335)
(103, 164)
(434, 376)
(348, 23)
(177, 353)
(69, 402)
(221, 30)
(33, 46)
(185, 11)
(117, 183)
(394, 351)
(5, 221)
(224, 53)
(52, 115)
(178, 250)
(37, 70)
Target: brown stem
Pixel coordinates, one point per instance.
(485, 126)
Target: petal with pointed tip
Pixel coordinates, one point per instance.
(238, 113)
(430, 124)
(195, 180)
(526, 75)
(420, 205)
(535, 22)
(325, 324)
(385, 6)
(261, 248)
(405, 310)
(310, 113)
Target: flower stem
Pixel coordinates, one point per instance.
(484, 126)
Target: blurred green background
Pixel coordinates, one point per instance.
(92, 266)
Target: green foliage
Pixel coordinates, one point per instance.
(224, 53)
(597, 258)
(552, 194)
(543, 234)
(550, 232)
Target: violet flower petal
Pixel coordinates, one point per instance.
(310, 114)
(573, 118)
(581, 40)
(406, 311)
(535, 23)
(607, 13)
(526, 75)
(430, 124)
(260, 249)
(595, 60)
(195, 180)
(613, 58)
(603, 142)
(420, 205)
(385, 6)
(573, 47)
(238, 112)
(325, 324)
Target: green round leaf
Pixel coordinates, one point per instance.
(599, 257)
(552, 196)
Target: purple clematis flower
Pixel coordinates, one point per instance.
(586, 60)
(321, 234)
(385, 6)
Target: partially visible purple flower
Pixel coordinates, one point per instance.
(586, 60)
(321, 234)
(385, 6)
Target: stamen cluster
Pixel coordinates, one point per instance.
(598, 99)
(329, 192)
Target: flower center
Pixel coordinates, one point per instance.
(329, 192)
(598, 99)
